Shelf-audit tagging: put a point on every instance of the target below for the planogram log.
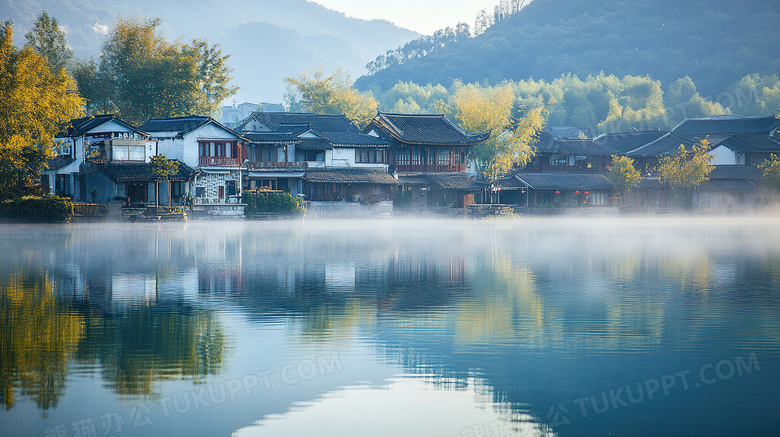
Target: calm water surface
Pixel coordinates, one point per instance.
(543, 327)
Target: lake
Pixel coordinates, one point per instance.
(392, 327)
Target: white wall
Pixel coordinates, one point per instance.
(725, 156)
(344, 157)
(186, 149)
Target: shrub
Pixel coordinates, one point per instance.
(282, 203)
(45, 208)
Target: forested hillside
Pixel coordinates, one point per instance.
(267, 40)
(715, 43)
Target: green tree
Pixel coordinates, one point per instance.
(624, 175)
(164, 168)
(93, 88)
(686, 170)
(490, 110)
(47, 39)
(771, 168)
(213, 75)
(330, 95)
(145, 76)
(35, 104)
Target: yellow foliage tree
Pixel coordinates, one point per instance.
(771, 168)
(623, 174)
(490, 110)
(35, 104)
(331, 95)
(686, 170)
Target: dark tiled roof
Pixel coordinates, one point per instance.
(510, 183)
(728, 185)
(454, 182)
(751, 143)
(182, 125)
(351, 176)
(425, 129)
(548, 144)
(143, 172)
(565, 181)
(625, 142)
(271, 137)
(80, 126)
(59, 162)
(747, 172)
(336, 128)
(726, 124)
(668, 144)
(314, 144)
(563, 131)
(650, 184)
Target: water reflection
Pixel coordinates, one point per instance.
(72, 304)
(507, 323)
(38, 337)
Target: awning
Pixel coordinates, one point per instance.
(276, 174)
(351, 176)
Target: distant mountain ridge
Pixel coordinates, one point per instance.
(715, 42)
(267, 40)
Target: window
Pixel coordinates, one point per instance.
(222, 149)
(63, 148)
(370, 156)
(200, 191)
(62, 187)
(177, 189)
(269, 154)
(417, 157)
(443, 157)
(129, 153)
(402, 158)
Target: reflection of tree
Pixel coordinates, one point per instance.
(140, 345)
(37, 338)
(513, 306)
(135, 346)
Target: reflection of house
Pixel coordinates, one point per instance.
(203, 143)
(570, 155)
(324, 157)
(428, 144)
(91, 142)
(565, 189)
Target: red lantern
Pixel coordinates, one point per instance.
(587, 193)
(557, 192)
(577, 193)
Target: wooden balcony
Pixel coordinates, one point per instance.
(278, 165)
(412, 168)
(217, 161)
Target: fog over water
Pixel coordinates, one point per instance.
(534, 326)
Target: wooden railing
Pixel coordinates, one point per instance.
(217, 161)
(451, 168)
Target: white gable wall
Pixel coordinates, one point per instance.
(186, 149)
(725, 156)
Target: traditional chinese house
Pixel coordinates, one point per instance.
(423, 145)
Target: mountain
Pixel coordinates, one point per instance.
(267, 39)
(715, 42)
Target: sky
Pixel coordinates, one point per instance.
(423, 16)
